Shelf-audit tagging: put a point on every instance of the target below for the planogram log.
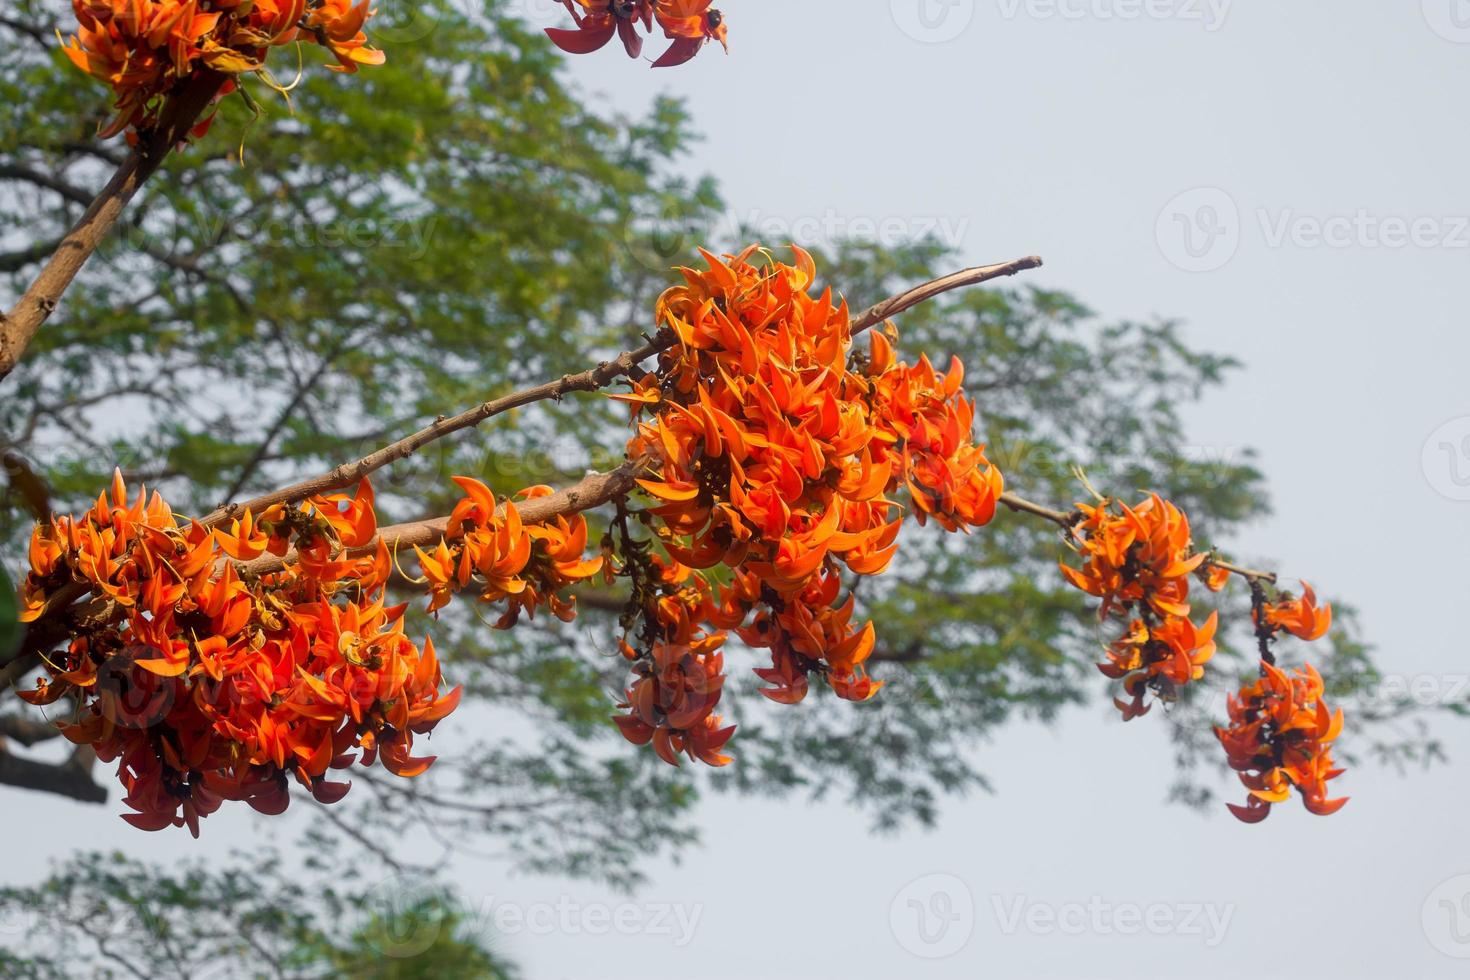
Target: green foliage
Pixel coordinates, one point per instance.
(103, 916)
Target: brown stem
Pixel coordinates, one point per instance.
(591, 491)
(1249, 574)
(895, 305)
(1023, 506)
(592, 379)
(19, 327)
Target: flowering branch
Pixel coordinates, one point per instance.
(765, 445)
(590, 492)
(1068, 522)
(593, 379)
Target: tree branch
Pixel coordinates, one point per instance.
(27, 731)
(72, 778)
(298, 397)
(36, 32)
(592, 379)
(591, 491)
(19, 327)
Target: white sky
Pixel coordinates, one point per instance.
(1026, 130)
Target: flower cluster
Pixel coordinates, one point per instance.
(524, 565)
(771, 451)
(778, 464)
(145, 49)
(1138, 561)
(1279, 737)
(677, 663)
(689, 24)
(207, 684)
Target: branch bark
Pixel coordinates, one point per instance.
(20, 326)
(72, 778)
(27, 731)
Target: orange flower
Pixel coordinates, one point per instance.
(1279, 738)
(337, 25)
(678, 669)
(1138, 561)
(1301, 617)
(524, 565)
(1161, 659)
(146, 49)
(205, 687)
(690, 23)
(1141, 554)
(768, 453)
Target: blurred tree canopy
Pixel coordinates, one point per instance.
(104, 917)
(462, 222)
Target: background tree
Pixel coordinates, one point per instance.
(458, 224)
(102, 915)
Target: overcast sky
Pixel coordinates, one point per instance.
(1288, 177)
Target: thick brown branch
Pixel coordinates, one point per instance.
(19, 327)
(592, 379)
(27, 731)
(72, 778)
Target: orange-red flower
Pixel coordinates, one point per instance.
(1135, 554)
(524, 565)
(1301, 617)
(1138, 560)
(1160, 659)
(678, 669)
(1279, 739)
(771, 454)
(691, 24)
(205, 687)
(145, 49)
